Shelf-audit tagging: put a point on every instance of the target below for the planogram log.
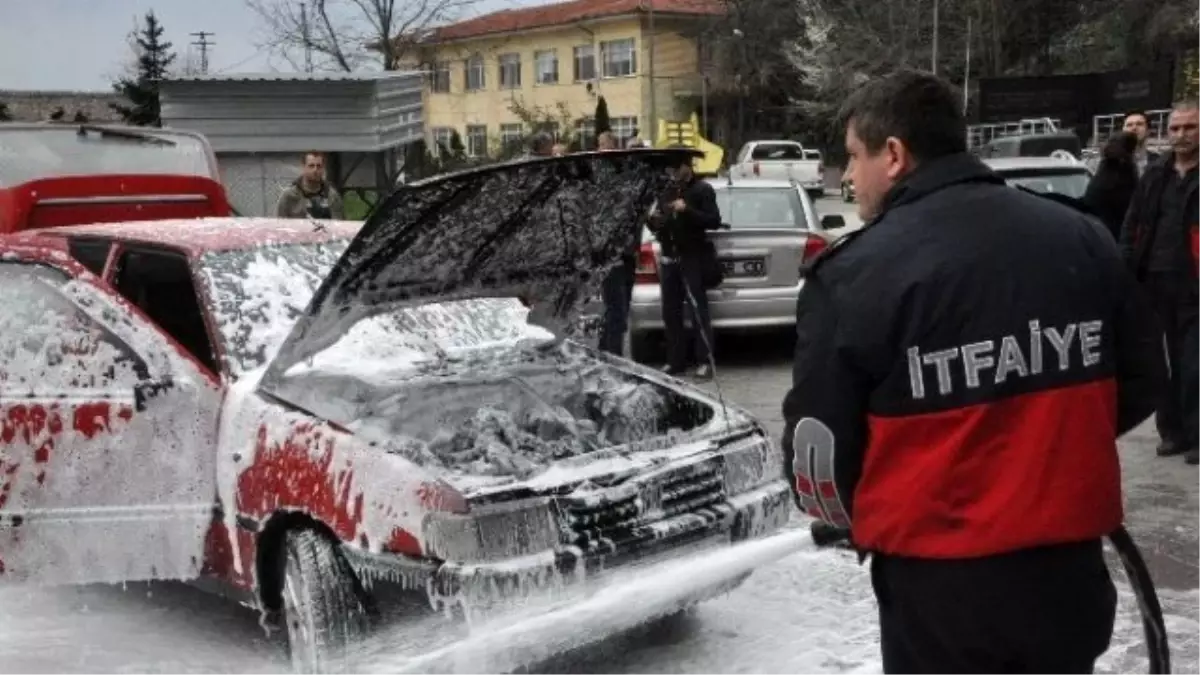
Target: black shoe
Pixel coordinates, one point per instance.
(1192, 456)
(1170, 448)
(703, 372)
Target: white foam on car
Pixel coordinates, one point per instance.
(631, 598)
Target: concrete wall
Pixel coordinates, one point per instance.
(37, 106)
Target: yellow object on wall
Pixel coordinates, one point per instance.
(688, 133)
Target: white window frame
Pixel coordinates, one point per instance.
(511, 133)
(476, 67)
(614, 53)
(581, 54)
(439, 78)
(508, 70)
(585, 131)
(545, 67)
(623, 127)
(476, 146)
(441, 138)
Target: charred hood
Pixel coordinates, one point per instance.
(544, 230)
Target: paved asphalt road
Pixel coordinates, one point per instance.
(810, 612)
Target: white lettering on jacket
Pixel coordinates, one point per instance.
(1075, 345)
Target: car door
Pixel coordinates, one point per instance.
(103, 476)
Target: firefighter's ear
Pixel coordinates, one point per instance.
(898, 159)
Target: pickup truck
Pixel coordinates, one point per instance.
(782, 160)
(53, 175)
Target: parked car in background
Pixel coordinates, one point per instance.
(782, 160)
(54, 174)
(1057, 175)
(772, 228)
(1044, 174)
(308, 413)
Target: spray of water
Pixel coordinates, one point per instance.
(509, 642)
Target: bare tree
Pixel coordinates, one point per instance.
(352, 34)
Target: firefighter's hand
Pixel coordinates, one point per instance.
(678, 205)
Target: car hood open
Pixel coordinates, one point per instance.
(544, 230)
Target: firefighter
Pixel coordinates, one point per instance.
(964, 365)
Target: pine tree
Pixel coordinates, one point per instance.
(154, 58)
(603, 124)
(457, 149)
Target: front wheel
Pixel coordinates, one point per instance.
(322, 604)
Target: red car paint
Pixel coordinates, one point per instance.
(291, 465)
(71, 180)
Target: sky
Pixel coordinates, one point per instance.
(35, 35)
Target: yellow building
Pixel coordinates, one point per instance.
(565, 56)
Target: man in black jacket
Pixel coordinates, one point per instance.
(1156, 242)
(964, 364)
(684, 216)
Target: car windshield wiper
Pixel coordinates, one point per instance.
(124, 133)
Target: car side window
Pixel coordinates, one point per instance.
(47, 343)
(91, 253)
(160, 284)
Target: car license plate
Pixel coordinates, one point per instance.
(744, 267)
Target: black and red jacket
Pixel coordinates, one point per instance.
(964, 365)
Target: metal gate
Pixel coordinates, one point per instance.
(255, 181)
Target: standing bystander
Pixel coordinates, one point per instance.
(1159, 242)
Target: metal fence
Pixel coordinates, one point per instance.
(979, 134)
(1104, 126)
(255, 181)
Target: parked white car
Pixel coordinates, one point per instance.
(782, 160)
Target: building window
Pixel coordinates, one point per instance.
(476, 140)
(623, 127)
(476, 78)
(585, 63)
(511, 136)
(618, 57)
(439, 79)
(551, 128)
(442, 140)
(585, 132)
(545, 66)
(510, 71)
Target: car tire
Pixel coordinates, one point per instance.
(323, 609)
(647, 348)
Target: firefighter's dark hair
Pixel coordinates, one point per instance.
(1136, 113)
(920, 109)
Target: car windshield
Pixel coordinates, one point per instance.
(29, 153)
(744, 208)
(259, 293)
(1070, 182)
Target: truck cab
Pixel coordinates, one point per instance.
(54, 174)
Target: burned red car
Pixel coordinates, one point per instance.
(303, 411)
(72, 174)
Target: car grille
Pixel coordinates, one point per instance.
(624, 516)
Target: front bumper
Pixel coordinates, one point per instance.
(748, 515)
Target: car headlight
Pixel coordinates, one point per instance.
(492, 532)
(750, 462)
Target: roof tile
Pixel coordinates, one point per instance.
(557, 14)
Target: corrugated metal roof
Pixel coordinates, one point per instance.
(332, 76)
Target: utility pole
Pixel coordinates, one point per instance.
(934, 58)
(653, 85)
(308, 67)
(203, 43)
(967, 69)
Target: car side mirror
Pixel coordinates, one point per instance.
(833, 221)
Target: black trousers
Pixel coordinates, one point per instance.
(617, 293)
(675, 280)
(1045, 610)
(1174, 303)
